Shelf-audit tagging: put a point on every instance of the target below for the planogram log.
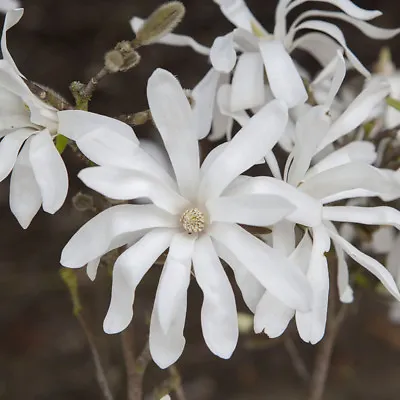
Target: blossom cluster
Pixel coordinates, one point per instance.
(203, 214)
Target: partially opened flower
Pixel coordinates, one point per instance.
(193, 214)
(39, 177)
(343, 174)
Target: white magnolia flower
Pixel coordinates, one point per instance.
(343, 174)
(39, 177)
(7, 5)
(195, 215)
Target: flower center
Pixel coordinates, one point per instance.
(193, 221)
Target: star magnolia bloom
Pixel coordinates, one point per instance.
(194, 215)
(345, 173)
(39, 176)
(7, 5)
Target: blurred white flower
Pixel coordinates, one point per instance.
(7, 5)
(39, 177)
(343, 174)
(195, 215)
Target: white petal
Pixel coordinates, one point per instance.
(124, 184)
(12, 18)
(129, 270)
(112, 228)
(283, 77)
(218, 313)
(173, 39)
(7, 5)
(254, 209)
(9, 148)
(248, 82)
(25, 197)
(50, 171)
(272, 316)
(248, 146)
(283, 237)
(224, 97)
(309, 210)
(393, 260)
(333, 31)
(91, 268)
(358, 111)
(223, 53)
(173, 117)
(320, 46)
(369, 264)
(363, 215)
(175, 279)
(204, 95)
(311, 325)
(336, 183)
(250, 287)
(275, 272)
(355, 151)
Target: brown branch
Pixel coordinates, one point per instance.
(91, 86)
(297, 361)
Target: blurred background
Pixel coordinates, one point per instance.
(43, 352)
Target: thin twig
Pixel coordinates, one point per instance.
(297, 361)
(100, 373)
(91, 86)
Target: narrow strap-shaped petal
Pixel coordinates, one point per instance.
(114, 224)
(248, 82)
(9, 148)
(25, 197)
(204, 95)
(174, 118)
(274, 271)
(7, 5)
(272, 316)
(283, 237)
(247, 147)
(50, 171)
(250, 287)
(370, 264)
(175, 279)
(253, 209)
(311, 325)
(128, 271)
(280, 19)
(284, 79)
(358, 111)
(224, 102)
(124, 184)
(91, 268)
(173, 39)
(218, 313)
(355, 151)
(223, 53)
(392, 262)
(363, 215)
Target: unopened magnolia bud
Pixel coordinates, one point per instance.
(121, 58)
(113, 61)
(161, 22)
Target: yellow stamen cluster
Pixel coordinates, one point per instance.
(193, 221)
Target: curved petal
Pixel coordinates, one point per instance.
(75, 123)
(173, 117)
(253, 209)
(248, 146)
(248, 82)
(218, 314)
(173, 39)
(204, 95)
(250, 287)
(224, 97)
(123, 184)
(355, 151)
(223, 53)
(108, 228)
(283, 237)
(358, 111)
(274, 271)
(283, 77)
(311, 325)
(368, 263)
(91, 268)
(12, 18)
(9, 148)
(129, 270)
(175, 279)
(25, 197)
(272, 316)
(392, 262)
(50, 171)
(7, 5)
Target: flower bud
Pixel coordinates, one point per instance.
(122, 58)
(161, 22)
